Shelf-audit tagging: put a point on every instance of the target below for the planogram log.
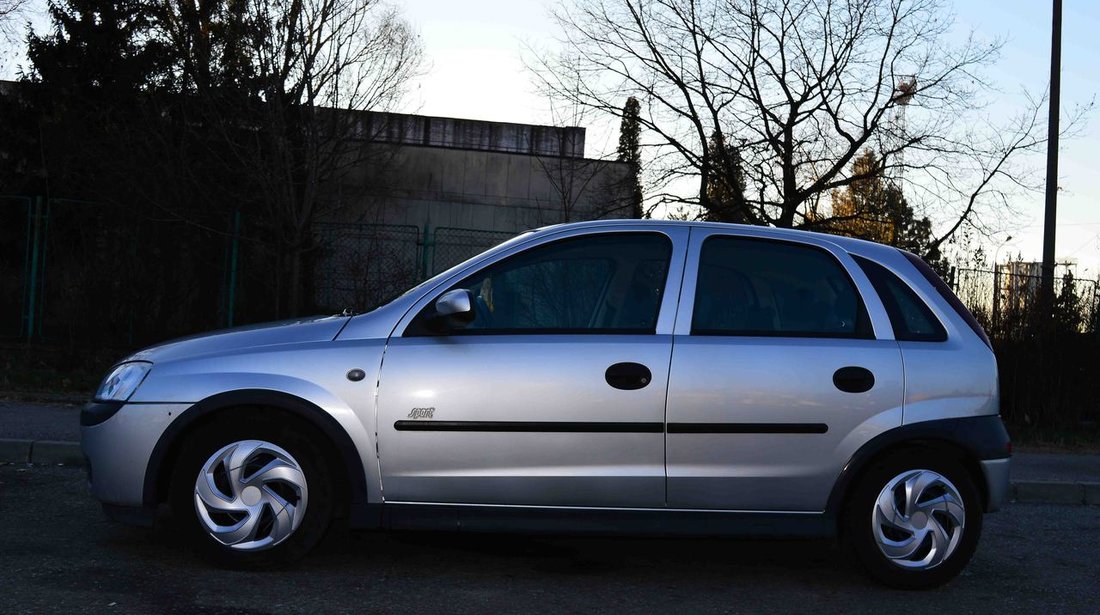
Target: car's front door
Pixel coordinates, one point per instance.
(554, 394)
(778, 373)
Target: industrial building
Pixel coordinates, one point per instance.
(434, 191)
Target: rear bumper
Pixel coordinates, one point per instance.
(995, 472)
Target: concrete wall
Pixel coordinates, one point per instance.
(467, 134)
(410, 211)
(484, 190)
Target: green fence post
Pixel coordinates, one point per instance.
(424, 253)
(41, 305)
(32, 290)
(231, 304)
(28, 204)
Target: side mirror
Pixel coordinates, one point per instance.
(454, 309)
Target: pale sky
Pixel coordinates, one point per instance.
(475, 51)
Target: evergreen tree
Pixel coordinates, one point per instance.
(630, 152)
(875, 209)
(726, 184)
(97, 49)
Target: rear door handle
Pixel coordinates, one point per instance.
(628, 376)
(853, 379)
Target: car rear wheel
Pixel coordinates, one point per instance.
(914, 520)
(252, 493)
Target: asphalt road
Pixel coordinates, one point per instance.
(59, 554)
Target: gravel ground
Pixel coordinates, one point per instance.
(59, 555)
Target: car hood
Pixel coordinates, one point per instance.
(298, 331)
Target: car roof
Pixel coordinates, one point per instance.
(847, 243)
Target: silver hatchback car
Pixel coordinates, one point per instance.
(611, 376)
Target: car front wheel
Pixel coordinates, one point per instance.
(252, 493)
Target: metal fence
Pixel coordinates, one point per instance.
(1006, 301)
(79, 274)
(360, 265)
(17, 276)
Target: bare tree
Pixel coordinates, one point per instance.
(9, 10)
(581, 188)
(799, 88)
(10, 26)
(286, 82)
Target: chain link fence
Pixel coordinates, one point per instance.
(83, 274)
(450, 246)
(361, 265)
(16, 220)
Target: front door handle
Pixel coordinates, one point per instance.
(628, 376)
(853, 379)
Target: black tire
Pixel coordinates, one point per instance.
(304, 443)
(858, 519)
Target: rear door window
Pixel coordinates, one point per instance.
(760, 287)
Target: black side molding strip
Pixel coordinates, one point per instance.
(611, 427)
(747, 428)
(530, 426)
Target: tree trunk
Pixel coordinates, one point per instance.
(294, 281)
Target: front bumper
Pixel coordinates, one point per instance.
(997, 486)
(118, 448)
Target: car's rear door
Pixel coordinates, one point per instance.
(520, 407)
(783, 364)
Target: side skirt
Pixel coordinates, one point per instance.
(604, 521)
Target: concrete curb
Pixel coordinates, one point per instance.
(49, 452)
(52, 452)
(1056, 492)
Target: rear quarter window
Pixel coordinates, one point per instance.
(911, 319)
(949, 296)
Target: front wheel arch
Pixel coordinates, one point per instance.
(347, 463)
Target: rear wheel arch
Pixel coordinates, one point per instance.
(343, 456)
(966, 440)
(934, 446)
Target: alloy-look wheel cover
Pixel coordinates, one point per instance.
(251, 495)
(918, 520)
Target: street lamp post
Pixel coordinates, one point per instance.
(997, 282)
(1046, 292)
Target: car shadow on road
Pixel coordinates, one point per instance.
(483, 560)
(582, 555)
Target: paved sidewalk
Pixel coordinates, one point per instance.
(39, 421)
(1040, 477)
(1056, 467)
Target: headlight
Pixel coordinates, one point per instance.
(123, 380)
